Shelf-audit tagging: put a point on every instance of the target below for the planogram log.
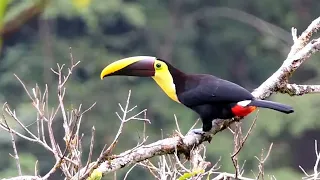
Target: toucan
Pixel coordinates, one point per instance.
(209, 96)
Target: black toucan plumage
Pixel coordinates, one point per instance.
(209, 96)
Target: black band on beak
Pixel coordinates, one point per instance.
(143, 68)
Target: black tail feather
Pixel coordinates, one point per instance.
(272, 105)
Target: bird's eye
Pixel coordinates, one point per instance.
(158, 65)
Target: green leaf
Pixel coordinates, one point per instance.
(96, 175)
(185, 176)
(3, 8)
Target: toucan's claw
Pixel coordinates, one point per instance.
(198, 131)
(207, 136)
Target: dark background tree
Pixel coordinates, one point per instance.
(242, 41)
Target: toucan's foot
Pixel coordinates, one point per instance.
(198, 131)
(202, 133)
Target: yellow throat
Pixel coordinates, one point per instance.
(164, 79)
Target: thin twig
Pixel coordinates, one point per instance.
(177, 124)
(36, 168)
(13, 115)
(125, 177)
(24, 87)
(123, 119)
(194, 124)
(91, 147)
(262, 161)
(15, 156)
(315, 168)
(246, 136)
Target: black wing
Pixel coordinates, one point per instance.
(207, 89)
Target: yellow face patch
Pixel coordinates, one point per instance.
(164, 79)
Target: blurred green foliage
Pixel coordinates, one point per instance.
(3, 8)
(215, 37)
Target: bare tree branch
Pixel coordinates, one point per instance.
(15, 156)
(239, 141)
(244, 139)
(105, 153)
(298, 90)
(161, 147)
(262, 160)
(297, 55)
(316, 173)
(68, 160)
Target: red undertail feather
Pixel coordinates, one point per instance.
(241, 111)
